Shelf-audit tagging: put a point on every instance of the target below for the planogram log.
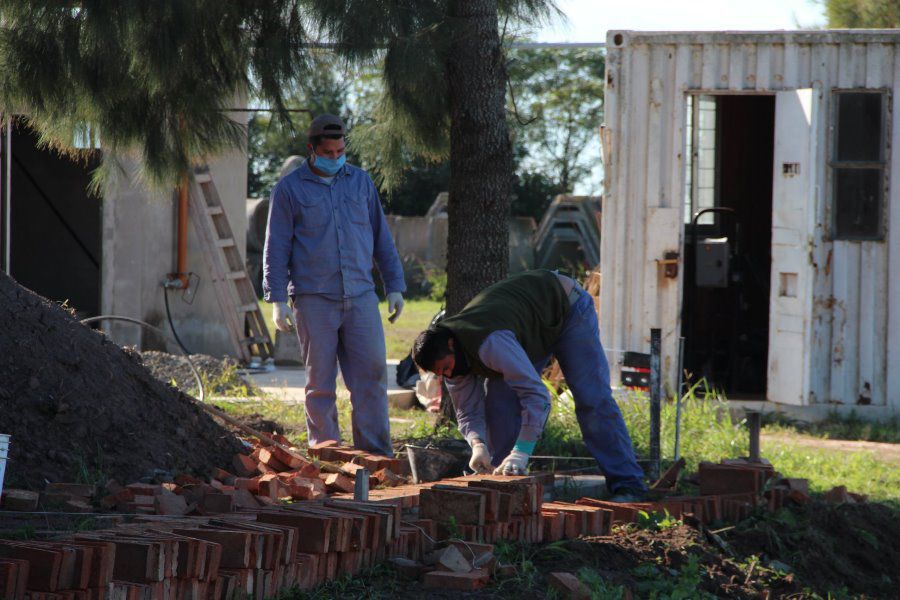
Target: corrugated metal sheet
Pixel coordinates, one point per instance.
(856, 329)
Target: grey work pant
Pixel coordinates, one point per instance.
(349, 332)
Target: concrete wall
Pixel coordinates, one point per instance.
(139, 251)
(425, 239)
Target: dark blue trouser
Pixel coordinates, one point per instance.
(583, 363)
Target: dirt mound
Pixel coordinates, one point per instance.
(830, 547)
(219, 375)
(80, 408)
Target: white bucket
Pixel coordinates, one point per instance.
(4, 453)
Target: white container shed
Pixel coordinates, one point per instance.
(789, 290)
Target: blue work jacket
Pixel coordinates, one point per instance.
(322, 238)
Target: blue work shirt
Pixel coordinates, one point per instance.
(322, 237)
(501, 352)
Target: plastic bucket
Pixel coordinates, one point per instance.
(4, 454)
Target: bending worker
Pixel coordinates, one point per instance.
(492, 353)
(326, 228)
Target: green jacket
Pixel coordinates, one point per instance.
(533, 305)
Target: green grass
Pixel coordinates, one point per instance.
(709, 433)
(399, 336)
(841, 427)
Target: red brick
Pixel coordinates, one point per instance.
(237, 546)
(19, 500)
(336, 482)
(145, 489)
(185, 479)
(242, 498)
(837, 495)
(721, 479)
(244, 465)
(388, 478)
(223, 476)
(567, 586)
(81, 490)
(268, 458)
(462, 582)
(316, 451)
(272, 487)
(78, 506)
(170, 504)
(13, 577)
(44, 563)
(467, 508)
(350, 469)
(292, 459)
(216, 503)
(251, 484)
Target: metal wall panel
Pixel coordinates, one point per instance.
(856, 330)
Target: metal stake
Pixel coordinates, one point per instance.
(361, 491)
(753, 424)
(655, 350)
(678, 396)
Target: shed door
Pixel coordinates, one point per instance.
(793, 211)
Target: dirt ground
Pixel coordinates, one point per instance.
(80, 408)
(810, 551)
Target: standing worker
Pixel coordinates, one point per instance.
(492, 353)
(326, 227)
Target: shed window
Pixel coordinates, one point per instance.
(858, 165)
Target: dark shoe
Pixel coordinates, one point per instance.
(629, 495)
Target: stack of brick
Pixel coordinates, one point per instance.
(729, 491)
(256, 553)
(485, 507)
(55, 569)
(565, 520)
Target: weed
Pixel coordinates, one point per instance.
(670, 584)
(453, 528)
(28, 532)
(600, 588)
(656, 521)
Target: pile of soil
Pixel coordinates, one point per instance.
(219, 375)
(830, 547)
(80, 408)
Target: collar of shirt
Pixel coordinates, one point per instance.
(305, 172)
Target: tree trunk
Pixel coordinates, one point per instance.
(481, 167)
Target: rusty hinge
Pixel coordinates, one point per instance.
(669, 263)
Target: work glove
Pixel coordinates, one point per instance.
(395, 305)
(481, 458)
(284, 317)
(514, 464)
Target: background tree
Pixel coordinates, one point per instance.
(444, 95)
(325, 89)
(853, 14)
(153, 78)
(558, 101)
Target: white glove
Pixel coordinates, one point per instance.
(481, 458)
(514, 464)
(284, 317)
(395, 305)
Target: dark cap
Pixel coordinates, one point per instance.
(325, 125)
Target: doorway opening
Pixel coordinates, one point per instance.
(725, 302)
(55, 225)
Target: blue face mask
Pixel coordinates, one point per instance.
(330, 166)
